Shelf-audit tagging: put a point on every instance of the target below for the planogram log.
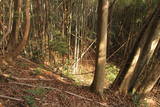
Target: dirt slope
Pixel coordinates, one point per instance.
(27, 84)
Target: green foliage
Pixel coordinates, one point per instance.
(30, 101)
(123, 3)
(22, 64)
(68, 74)
(37, 91)
(138, 102)
(37, 71)
(37, 55)
(59, 44)
(112, 72)
(42, 65)
(65, 67)
(136, 99)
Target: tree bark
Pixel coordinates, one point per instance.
(98, 82)
(15, 51)
(26, 31)
(150, 80)
(140, 55)
(15, 27)
(146, 55)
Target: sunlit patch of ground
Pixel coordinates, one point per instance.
(85, 75)
(150, 102)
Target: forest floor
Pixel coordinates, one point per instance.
(27, 84)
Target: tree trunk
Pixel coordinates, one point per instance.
(16, 50)
(98, 82)
(146, 55)
(26, 30)
(150, 80)
(140, 55)
(16, 25)
(151, 71)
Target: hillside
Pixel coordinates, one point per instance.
(29, 85)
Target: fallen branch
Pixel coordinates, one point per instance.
(32, 79)
(5, 77)
(70, 93)
(11, 98)
(8, 77)
(27, 60)
(45, 67)
(84, 73)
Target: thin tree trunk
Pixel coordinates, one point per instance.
(16, 25)
(98, 82)
(26, 30)
(75, 50)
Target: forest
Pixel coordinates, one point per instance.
(79, 53)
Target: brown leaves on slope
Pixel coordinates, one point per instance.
(68, 95)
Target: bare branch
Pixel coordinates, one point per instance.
(11, 98)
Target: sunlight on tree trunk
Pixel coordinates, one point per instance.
(99, 76)
(140, 55)
(150, 80)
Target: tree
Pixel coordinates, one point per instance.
(14, 48)
(151, 76)
(98, 82)
(140, 56)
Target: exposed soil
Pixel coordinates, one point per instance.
(32, 88)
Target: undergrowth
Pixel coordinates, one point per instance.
(33, 93)
(84, 77)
